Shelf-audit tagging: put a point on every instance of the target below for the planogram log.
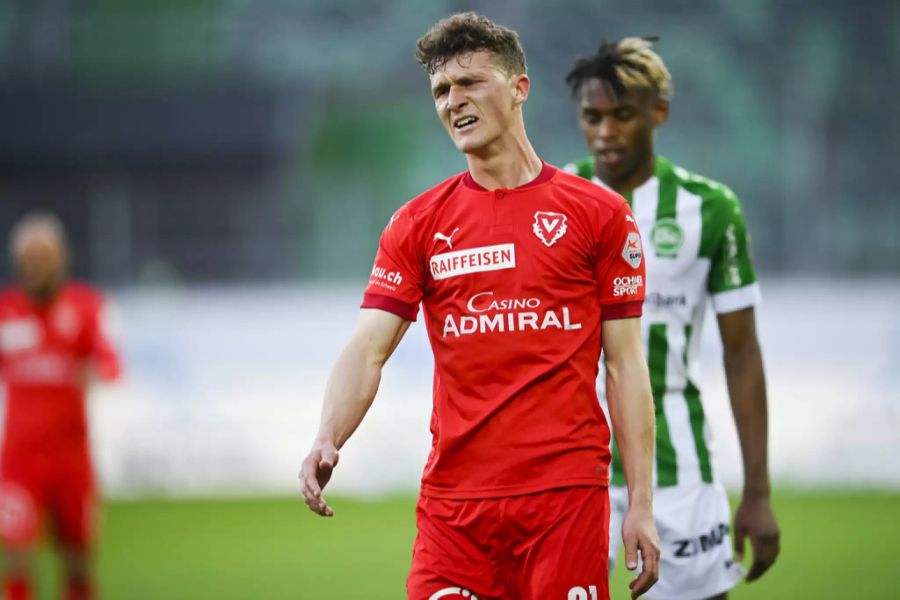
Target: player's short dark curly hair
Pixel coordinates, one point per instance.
(469, 32)
(630, 64)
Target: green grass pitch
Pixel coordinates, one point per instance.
(834, 545)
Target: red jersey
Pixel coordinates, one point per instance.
(45, 353)
(514, 285)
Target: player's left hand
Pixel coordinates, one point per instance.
(754, 519)
(315, 474)
(639, 536)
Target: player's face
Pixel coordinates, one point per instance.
(41, 263)
(619, 130)
(476, 100)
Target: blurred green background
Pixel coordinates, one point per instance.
(194, 140)
(834, 545)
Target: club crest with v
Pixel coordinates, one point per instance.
(549, 226)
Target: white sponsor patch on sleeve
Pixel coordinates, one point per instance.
(632, 252)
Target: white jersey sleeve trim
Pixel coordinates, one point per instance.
(732, 300)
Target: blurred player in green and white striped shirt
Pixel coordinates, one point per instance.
(697, 252)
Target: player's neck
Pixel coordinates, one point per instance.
(509, 163)
(638, 177)
(44, 297)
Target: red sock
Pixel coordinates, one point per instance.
(18, 588)
(79, 589)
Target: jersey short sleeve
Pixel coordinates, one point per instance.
(732, 282)
(619, 267)
(397, 280)
(102, 350)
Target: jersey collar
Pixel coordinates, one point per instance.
(546, 174)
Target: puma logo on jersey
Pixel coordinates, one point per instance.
(446, 238)
(629, 219)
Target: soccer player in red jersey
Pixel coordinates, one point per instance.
(51, 336)
(524, 272)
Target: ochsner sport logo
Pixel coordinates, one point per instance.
(489, 313)
(453, 592)
(627, 285)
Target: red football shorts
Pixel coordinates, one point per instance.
(64, 498)
(546, 546)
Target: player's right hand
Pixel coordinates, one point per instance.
(639, 537)
(314, 475)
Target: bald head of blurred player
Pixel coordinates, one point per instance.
(39, 252)
(622, 94)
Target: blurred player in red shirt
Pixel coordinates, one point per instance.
(523, 272)
(51, 340)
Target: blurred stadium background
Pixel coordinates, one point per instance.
(225, 168)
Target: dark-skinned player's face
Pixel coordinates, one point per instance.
(40, 260)
(618, 128)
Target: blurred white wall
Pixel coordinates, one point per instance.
(224, 387)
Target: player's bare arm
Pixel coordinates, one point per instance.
(631, 408)
(754, 518)
(350, 391)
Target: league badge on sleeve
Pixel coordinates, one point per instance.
(632, 252)
(549, 226)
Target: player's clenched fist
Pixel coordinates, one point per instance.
(314, 475)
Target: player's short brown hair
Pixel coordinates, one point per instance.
(470, 32)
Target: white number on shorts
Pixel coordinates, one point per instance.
(579, 593)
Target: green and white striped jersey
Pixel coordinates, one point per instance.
(698, 249)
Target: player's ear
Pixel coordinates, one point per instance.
(521, 87)
(661, 111)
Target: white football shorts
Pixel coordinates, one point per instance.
(694, 525)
